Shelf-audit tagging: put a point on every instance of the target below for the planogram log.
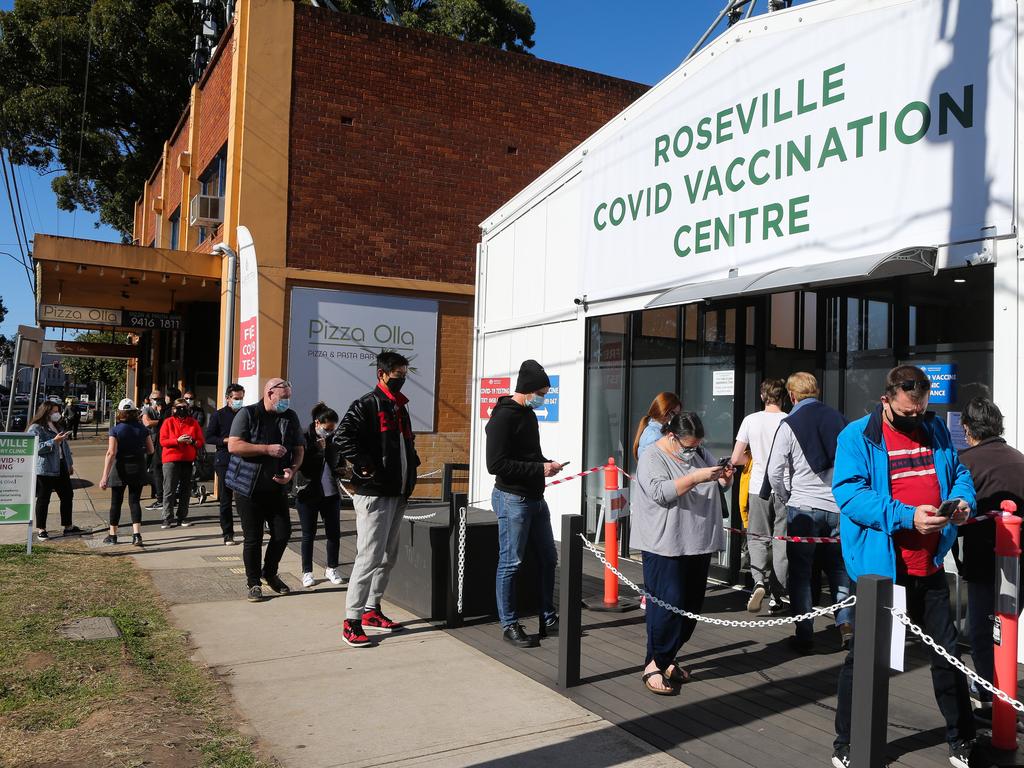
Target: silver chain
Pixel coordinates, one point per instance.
(955, 662)
(419, 517)
(778, 622)
(462, 553)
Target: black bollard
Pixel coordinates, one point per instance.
(872, 640)
(570, 601)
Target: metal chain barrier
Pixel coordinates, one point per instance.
(901, 617)
(777, 622)
(462, 554)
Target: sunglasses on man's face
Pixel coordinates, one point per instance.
(281, 385)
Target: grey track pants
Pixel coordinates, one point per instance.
(768, 563)
(378, 524)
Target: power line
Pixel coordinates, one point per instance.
(21, 213)
(14, 220)
(81, 135)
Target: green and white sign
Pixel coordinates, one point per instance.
(17, 478)
(827, 132)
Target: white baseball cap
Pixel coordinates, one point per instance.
(126, 405)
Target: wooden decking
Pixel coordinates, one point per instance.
(752, 701)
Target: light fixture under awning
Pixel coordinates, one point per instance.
(908, 261)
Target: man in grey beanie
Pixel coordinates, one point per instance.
(520, 468)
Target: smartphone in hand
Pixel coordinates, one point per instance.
(948, 508)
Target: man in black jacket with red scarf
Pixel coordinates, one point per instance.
(376, 438)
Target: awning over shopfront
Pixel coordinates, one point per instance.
(111, 279)
(876, 267)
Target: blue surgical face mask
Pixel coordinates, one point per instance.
(283, 404)
(535, 401)
(235, 404)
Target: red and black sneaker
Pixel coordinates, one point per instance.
(353, 634)
(375, 621)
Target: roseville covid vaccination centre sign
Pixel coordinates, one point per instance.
(18, 481)
(830, 188)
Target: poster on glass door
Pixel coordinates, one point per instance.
(334, 338)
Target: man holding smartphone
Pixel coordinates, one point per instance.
(269, 435)
(515, 458)
(376, 438)
(894, 469)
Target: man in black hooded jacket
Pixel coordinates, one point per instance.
(515, 458)
(376, 438)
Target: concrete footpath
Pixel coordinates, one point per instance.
(420, 697)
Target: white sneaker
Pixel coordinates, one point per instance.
(308, 580)
(334, 576)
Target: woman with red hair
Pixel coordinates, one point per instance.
(663, 409)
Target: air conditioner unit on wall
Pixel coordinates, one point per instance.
(205, 211)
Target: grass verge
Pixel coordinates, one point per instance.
(137, 700)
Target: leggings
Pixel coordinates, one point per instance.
(117, 499)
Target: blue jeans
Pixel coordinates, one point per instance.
(523, 522)
(803, 521)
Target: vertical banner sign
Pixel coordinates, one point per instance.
(943, 382)
(549, 411)
(490, 390)
(334, 338)
(18, 480)
(249, 317)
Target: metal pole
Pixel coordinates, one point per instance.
(33, 392)
(728, 7)
(229, 310)
(872, 639)
(14, 383)
(570, 599)
(458, 501)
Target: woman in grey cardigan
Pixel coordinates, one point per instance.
(676, 520)
(54, 468)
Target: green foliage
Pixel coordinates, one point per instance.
(84, 370)
(6, 345)
(506, 24)
(138, 84)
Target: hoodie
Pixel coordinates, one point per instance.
(513, 449)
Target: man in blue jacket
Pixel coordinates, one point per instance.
(894, 468)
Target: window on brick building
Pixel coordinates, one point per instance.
(213, 181)
(175, 222)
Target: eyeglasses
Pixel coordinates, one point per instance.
(910, 385)
(281, 385)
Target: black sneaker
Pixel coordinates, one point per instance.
(136, 539)
(275, 583)
(960, 754)
(255, 594)
(802, 647)
(74, 530)
(548, 628)
(110, 539)
(516, 634)
(756, 598)
(776, 607)
(841, 756)
(156, 505)
(167, 524)
(43, 536)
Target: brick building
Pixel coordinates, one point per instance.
(361, 157)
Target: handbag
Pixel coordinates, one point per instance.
(241, 475)
(132, 469)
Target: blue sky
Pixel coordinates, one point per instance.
(635, 41)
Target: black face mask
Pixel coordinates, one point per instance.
(181, 412)
(905, 424)
(395, 385)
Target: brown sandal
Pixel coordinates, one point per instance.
(680, 675)
(670, 691)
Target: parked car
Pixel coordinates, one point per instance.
(87, 412)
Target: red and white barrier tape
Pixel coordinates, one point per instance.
(566, 479)
(794, 539)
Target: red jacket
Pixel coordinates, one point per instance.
(173, 428)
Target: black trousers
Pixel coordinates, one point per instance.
(156, 467)
(177, 488)
(263, 508)
(329, 509)
(134, 503)
(224, 498)
(679, 581)
(928, 607)
(46, 486)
